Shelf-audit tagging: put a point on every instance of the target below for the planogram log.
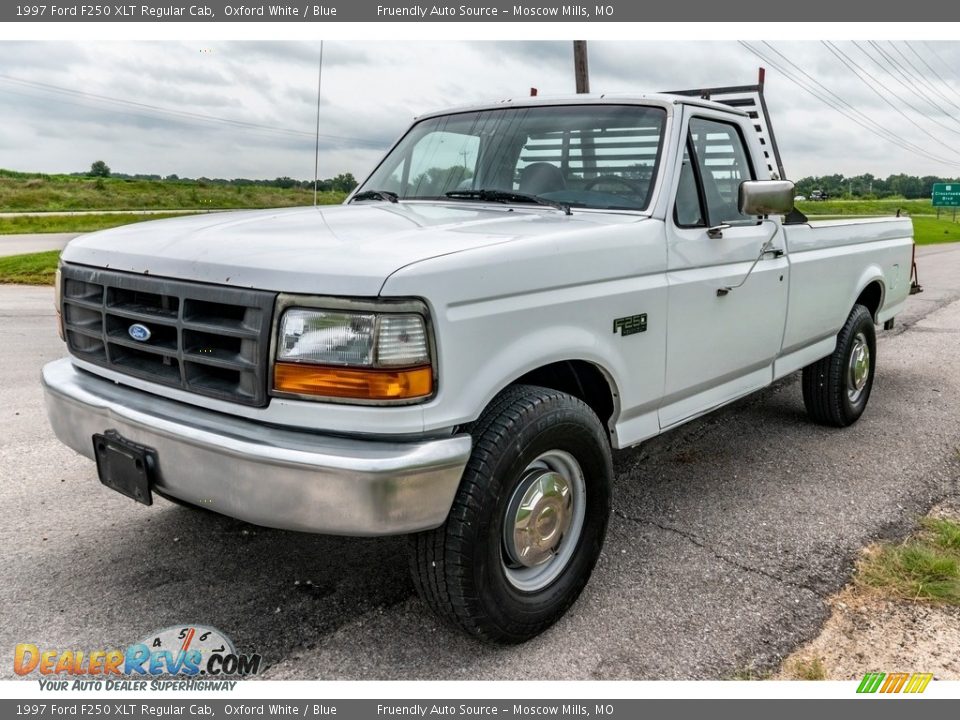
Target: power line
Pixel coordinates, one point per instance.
(936, 54)
(856, 69)
(850, 63)
(910, 85)
(921, 77)
(181, 114)
(931, 68)
(911, 82)
(885, 135)
(878, 128)
(129, 112)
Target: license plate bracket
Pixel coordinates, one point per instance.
(125, 466)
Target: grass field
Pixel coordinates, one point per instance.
(72, 223)
(927, 228)
(32, 269)
(867, 207)
(38, 268)
(63, 192)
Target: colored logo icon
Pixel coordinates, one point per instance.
(894, 682)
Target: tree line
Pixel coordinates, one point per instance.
(344, 182)
(869, 187)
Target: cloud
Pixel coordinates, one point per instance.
(307, 54)
(371, 91)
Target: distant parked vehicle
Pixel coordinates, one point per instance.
(799, 198)
(819, 195)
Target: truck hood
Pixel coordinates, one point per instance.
(332, 250)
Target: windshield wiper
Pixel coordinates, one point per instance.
(507, 196)
(376, 195)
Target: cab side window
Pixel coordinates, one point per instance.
(723, 163)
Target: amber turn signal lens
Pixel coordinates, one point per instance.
(358, 384)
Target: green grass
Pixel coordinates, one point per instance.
(32, 269)
(925, 567)
(927, 227)
(945, 533)
(71, 223)
(21, 192)
(867, 207)
(808, 670)
(929, 230)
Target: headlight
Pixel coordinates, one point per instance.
(58, 306)
(327, 338)
(353, 355)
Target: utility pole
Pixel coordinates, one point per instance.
(580, 67)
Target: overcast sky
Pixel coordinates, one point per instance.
(58, 109)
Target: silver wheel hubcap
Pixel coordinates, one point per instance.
(541, 517)
(543, 521)
(858, 371)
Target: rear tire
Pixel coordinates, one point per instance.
(836, 388)
(528, 521)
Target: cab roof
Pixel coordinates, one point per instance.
(664, 100)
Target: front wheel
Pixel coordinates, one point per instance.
(836, 388)
(528, 520)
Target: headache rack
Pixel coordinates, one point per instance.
(748, 98)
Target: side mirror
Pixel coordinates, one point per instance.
(766, 197)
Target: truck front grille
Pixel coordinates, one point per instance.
(207, 339)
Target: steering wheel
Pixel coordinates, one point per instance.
(613, 179)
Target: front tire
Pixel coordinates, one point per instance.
(836, 388)
(528, 521)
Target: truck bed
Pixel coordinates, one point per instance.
(825, 254)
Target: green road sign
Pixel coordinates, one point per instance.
(946, 194)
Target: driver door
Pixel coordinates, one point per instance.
(719, 347)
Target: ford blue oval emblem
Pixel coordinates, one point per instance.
(140, 333)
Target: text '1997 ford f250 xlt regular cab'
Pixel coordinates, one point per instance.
(517, 289)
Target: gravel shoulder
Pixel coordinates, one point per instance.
(868, 632)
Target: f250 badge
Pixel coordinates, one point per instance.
(630, 325)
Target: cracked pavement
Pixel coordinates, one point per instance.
(728, 534)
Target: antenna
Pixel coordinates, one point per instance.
(316, 151)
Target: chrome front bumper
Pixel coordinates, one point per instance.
(262, 474)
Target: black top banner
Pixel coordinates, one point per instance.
(482, 11)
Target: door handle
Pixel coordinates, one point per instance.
(764, 251)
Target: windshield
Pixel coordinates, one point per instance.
(592, 156)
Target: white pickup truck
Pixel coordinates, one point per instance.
(515, 291)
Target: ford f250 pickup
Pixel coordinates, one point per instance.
(514, 292)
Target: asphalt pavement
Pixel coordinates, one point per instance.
(728, 534)
(33, 242)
